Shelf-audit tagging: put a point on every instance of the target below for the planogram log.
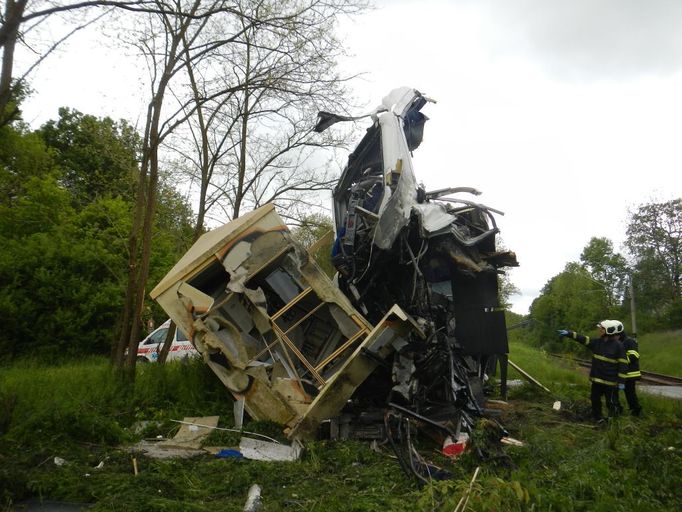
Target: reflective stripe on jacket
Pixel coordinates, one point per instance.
(609, 362)
(632, 355)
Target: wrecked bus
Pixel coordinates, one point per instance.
(404, 336)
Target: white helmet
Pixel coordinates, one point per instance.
(610, 326)
(619, 326)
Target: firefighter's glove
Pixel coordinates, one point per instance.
(563, 332)
(621, 386)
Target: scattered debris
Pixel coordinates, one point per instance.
(406, 336)
(229, 454)
(238, 408)
(185, 444)
(511, 441)
(193, 431)
(556, 405)
(157, 450)
(58, 461)
(452, 448)
(135, 470)
(253, 501)
(255, 449)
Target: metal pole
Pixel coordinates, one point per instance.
(633, 315)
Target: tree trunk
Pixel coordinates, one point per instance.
(170, 335)
(10, 31)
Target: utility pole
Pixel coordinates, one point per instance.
(633, 315)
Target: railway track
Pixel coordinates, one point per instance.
(651, 378)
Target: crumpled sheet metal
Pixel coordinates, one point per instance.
(272, 326)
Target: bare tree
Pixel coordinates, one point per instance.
(164, 62)
(257, 146)
(187, 39)
(250, 135)
(22, 18)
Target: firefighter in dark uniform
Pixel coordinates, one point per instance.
(609, 366)
(633, 374)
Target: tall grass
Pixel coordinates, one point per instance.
(542, 366)
(82, 412)
(661, 352)
(92, 384)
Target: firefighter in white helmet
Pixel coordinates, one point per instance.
(608, 366)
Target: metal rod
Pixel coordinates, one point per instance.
(291, 303)
(339, 350)
(305, 317)
(297, 353)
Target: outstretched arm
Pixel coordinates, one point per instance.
(585, 340)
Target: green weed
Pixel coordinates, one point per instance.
(82, 413)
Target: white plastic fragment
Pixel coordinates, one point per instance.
(511, 441)
(59, 461)
(263, 450)
(557, 405)
(253, 501)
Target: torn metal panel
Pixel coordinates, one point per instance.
(271, 325)
(409, 331)
(432, 255)
(391, 333)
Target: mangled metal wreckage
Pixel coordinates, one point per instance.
(406, 334)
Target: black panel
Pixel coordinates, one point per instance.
(480, 325)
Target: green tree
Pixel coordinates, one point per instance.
(63, 268)
(22, 155)
(569, 300)
(654, 239)
(97, 156)
(64, 272)
(607, 267)
(310, 231)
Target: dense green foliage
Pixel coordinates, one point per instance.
(602, 284)
(78, 412)
(312, 229)
(65, 216)
(96, 157)
(654, 237)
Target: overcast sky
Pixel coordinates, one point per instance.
(564, 113)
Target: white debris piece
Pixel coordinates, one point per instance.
(253, 502)
(264, 450)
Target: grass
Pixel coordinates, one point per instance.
(661, 352)
(78, 412)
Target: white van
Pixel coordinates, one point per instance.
(149, 348)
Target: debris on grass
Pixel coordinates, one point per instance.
(253, 501)
(255, 449)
